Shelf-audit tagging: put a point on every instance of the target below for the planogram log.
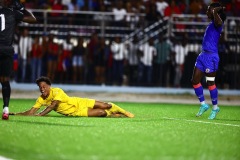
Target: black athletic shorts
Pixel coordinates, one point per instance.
(6, 62)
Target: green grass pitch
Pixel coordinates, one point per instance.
(158, 132)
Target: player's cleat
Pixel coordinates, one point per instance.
(5, 116)
(203, 108)
(128, 114)
(214, 113)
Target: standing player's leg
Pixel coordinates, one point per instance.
(6, 91)
(210, 78)
(196, 83)
(6, 68)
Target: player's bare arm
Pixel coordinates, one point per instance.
(216, 17)
(49, 108)
(29, 112)
(29, 17)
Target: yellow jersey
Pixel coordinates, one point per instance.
(68, 106)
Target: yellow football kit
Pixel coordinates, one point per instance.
(69, 106)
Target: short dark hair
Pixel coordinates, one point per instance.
(220, 12)
(43, 79)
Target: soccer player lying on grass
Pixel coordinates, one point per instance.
(56, 99)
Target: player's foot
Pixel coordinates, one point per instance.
(214, 113)
(203, 108)
(5, 116)
(128, 114)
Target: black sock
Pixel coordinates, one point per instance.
(6, 92)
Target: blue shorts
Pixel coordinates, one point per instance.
(207, 62)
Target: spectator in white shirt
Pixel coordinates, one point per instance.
(145, 66)
(119, 56)
(119, 14)
(161, 5)
(181, 50)
(133, 60)
(25, 46)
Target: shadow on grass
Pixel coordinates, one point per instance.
(48, 123)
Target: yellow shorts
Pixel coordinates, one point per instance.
(82, 107)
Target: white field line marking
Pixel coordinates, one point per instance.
(4, 158)
(224, 124)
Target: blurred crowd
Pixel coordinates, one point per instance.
(157, 62)
(161, 61)
(162, 7)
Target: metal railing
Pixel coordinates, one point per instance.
(81, 23)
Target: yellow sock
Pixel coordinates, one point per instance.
(108, 112)
(116, 109)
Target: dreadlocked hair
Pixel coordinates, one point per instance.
(221, 11)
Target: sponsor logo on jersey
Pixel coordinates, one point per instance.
(207, 70)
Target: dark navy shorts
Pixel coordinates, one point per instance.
(207, 62)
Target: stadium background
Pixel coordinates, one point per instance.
(166, 138)
(145, 20)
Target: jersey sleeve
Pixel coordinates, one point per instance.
(19, 15)
(59, 95)
(38, 103)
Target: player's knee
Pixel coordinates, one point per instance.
(194, 82)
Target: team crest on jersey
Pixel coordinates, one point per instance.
(207, 70)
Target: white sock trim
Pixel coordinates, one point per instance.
(5, 110)
(203, 102)
(215, 107)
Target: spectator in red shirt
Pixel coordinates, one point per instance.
(36, 59)
(64, 60)
(236, 6)
(172, 9)
(56, 16)
(53, 50)
(91, 50)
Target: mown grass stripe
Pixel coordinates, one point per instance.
(225, 124)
